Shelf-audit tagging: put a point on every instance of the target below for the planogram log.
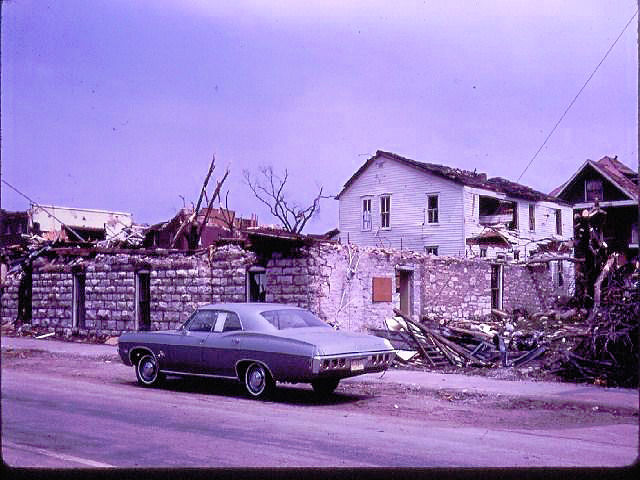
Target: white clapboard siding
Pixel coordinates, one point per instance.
(408, 188)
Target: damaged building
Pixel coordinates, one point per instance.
(62, 224)
(614, 188)
(105, 291)
(396, 202)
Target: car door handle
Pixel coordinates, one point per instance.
(235, 341)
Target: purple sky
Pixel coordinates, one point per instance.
(119, 105)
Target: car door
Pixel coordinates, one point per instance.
(185, 355)
(223, 347)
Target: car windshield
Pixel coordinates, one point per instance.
(292, 318)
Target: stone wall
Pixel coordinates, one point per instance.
(52, 297)
(9, 297)
(346, 279)
(456, 288)
(332, 280)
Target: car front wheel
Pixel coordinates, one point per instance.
(325, 386)
(148, 371)
(258, 381)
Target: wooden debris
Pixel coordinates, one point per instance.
(46, 335)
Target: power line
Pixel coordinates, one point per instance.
(42, 208)
(577, 95)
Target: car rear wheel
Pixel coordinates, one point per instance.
(325, 386)
(148, 371)
(258, 381)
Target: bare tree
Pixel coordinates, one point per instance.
(194, 232)
(228, 216)
(269, 188)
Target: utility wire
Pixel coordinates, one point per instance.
(577, 95)
(42, 208)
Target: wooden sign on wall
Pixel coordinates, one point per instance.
(381, 289)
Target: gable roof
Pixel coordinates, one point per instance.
(460, 176)
(611, 169)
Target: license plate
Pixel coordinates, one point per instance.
(357, 365)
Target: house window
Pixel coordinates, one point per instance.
(483, 252)
(256, 285)
(78, 300)
(592, 190)
(516, 254)
(385, 211)
(558, 221)
(532, 217)
(366, 214)
(496, 286)
(432, 208)
(431, 250)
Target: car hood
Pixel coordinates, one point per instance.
(332, 342)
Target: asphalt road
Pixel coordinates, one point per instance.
(76, 420)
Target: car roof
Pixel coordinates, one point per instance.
(247, 306)
(249, 313)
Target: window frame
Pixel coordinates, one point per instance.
(78, 295)
(220, 323)
(363, 200)
(586, 189)
(431, 247)
(532, 217)
(256, 271)
(497, 291)
(558, 221)
(430, 210)
(202, 312)
(387, 213)
(143, 286)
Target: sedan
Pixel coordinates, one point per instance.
(257, 344)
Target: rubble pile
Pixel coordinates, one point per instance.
(502, 341)
(597, 345)
(608, 354)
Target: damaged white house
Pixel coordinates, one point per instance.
(396, 202)
(54, 222)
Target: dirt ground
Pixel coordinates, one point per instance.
(442, 405)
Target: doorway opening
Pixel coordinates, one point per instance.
(143, 300)
(497, 275)
(78, 300)
(404, 286)
(25, 295)
(256, 284)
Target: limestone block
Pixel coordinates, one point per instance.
(300, 280)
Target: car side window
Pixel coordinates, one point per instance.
(227, 322)
(202, 321)
(272, 317)
(232, 323)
